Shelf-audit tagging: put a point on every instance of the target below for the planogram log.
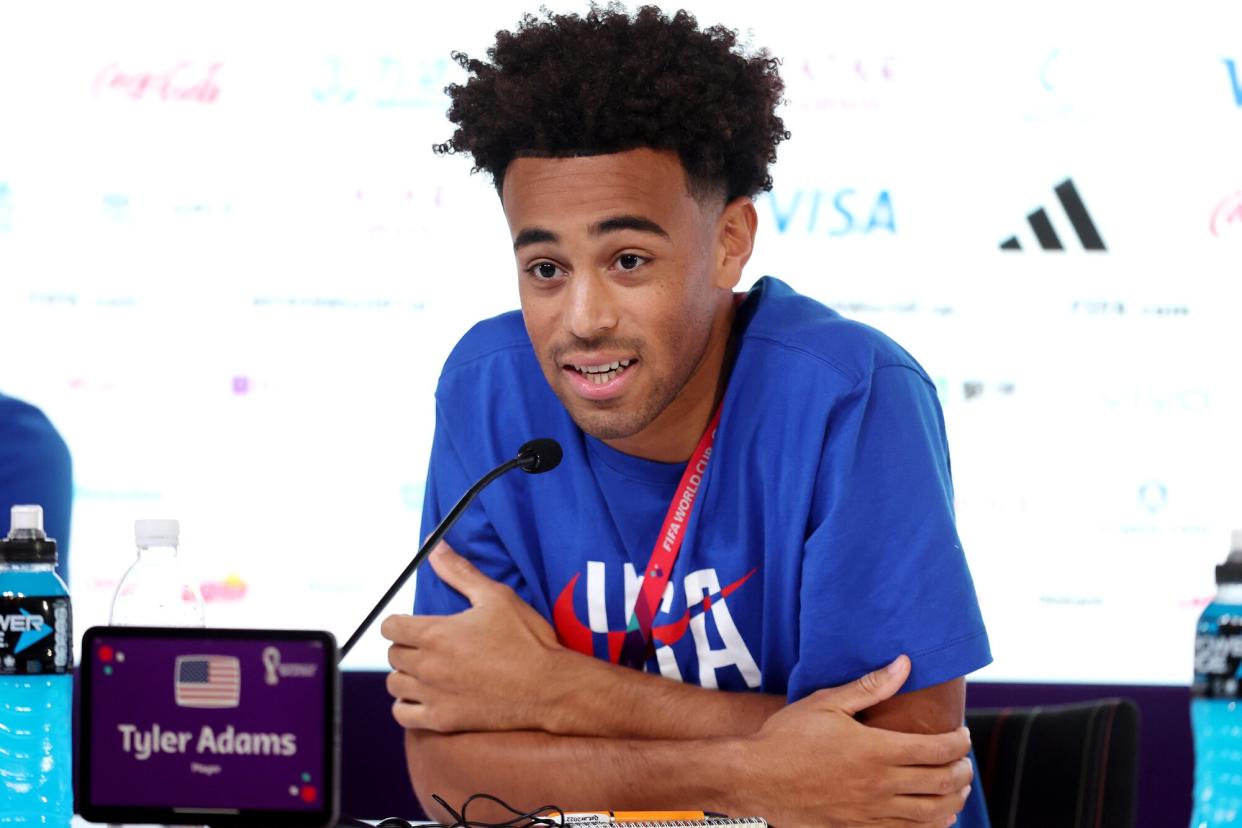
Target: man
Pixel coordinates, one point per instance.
(35, 468)
(783, 552)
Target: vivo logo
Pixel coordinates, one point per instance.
(833, 212)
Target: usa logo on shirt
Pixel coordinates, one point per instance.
(706, 599)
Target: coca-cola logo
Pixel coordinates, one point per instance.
(1227, 217)
(186, 81)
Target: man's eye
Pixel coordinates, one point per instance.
(630, 261)
(545, 270)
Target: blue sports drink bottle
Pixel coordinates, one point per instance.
(1215, 715)
(36, 678)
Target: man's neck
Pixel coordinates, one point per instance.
(672, 436)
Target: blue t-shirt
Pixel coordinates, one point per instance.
(35, 469)
(822, 543)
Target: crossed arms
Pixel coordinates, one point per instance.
(491, 702)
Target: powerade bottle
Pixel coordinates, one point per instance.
(1215, 715)
(36, 678)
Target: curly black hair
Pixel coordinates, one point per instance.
(609, 82)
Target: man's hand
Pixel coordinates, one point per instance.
(478, 670)
(814, 764)
(495, 667)
(811, 765)
(498, 667)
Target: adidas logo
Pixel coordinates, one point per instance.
(1078, 216)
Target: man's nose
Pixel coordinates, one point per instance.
(592, 307)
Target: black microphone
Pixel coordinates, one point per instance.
(539, 456)
(535, 457)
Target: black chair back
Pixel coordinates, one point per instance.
(1068, 766)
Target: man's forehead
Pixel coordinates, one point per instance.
(631, 176)
(581, 192)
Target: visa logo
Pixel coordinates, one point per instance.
(1235, 80)
(20, 623)
(834, 212)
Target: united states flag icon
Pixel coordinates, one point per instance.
(208, 681)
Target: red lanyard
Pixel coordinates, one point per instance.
(638, 642)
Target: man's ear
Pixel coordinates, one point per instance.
(735, 240)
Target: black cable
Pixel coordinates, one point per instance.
(532, 818)
(529, 819)
(548, 815)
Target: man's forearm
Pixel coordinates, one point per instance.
(590, 697)
(528, 770)
(499, 667)
(811, 764)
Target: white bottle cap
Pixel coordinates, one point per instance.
(1235, 541)
(157, 532)
(29, 518)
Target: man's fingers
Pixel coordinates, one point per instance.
(944, 822)
(403, 659)
(934, 810)
(407, 707)
(941, 780)
(460, 574)
(410, 715)
(405, 687)
(866, 691)
(925, 749)
(408, 630)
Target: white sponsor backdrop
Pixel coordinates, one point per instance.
(230, 268)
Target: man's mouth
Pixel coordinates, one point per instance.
(603, 373)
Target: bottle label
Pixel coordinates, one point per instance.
(36, 635)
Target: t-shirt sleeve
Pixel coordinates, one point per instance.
(473, 536)
(35, 468)
(883, 569)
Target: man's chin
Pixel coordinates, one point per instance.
(605, 422)
(607, 425)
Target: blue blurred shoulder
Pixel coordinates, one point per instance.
(23, 426)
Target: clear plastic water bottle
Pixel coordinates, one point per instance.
(36, 678)
(1215, 714)
(157, 590)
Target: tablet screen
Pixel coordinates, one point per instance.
(208, 722)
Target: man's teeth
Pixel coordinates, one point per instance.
(600, 374)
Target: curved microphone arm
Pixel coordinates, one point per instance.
(535, 457)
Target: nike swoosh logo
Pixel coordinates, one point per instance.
(577, 636)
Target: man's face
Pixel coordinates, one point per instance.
(617, 284)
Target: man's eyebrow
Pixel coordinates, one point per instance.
(626, 222)
(533, 235)
(536, 235)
